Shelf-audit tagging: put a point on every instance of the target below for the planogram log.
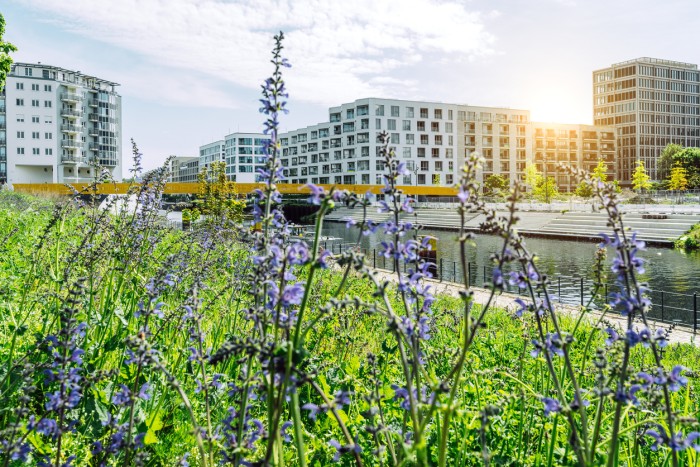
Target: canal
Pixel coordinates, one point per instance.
(673, 277)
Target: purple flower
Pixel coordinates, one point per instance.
(551, 406)
(317, 194)
(292, 295)
(313, 410)
(612, 336)
(522, 307)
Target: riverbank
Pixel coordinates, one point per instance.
(656, 228)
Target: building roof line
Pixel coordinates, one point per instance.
(64, 70)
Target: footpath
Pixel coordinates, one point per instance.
(679, 335)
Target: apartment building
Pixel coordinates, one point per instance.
(651, 103)
(580, 146)
(183, 169)
(432, 138)
(212, 152)
(58, 126)
(243, 153)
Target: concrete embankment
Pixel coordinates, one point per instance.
(657, 228)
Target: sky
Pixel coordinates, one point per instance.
(190, 70)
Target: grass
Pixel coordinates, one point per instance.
(499, 414)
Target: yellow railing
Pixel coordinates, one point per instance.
(243, 188)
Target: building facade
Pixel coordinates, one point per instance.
(243, 153)
(432, 138)
(58, 126)
(580, 146)
(183, 169)
(650, 103)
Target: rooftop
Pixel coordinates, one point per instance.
(658, 61)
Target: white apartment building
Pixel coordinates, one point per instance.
(244, 156)
(212, 152)
(651, 102)
(432, 138)
(58, 126)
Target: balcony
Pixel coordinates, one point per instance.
(2, 109)
(93, 131)
(71, 128)
(2, 142)
(71, 113)
(94, 147)
(93, 117)
(68, 159)
(71, 144)
(93, 102)
(2, 125)
(70, 97)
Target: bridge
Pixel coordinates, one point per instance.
(59, 189)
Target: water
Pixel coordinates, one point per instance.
(672, 276)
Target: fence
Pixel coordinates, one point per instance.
(667, 306)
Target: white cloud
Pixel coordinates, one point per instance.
(340, 50)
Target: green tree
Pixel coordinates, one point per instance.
(666, 160)
(599, 173)
(689, 159)
(679, 180)
(640, 179)
(584, 190)
(5, 59)
(495, 184)
(533, 177)
(218, 197)
(546, 190)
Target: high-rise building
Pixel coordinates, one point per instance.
(244, 156)
(651, 103)
(58, 126)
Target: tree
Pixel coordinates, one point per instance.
(599, 173)
(5, 59)
(533, 177)
(666, 160)
(218, 197)
(584, 190)
(640, 179)
(689, 159)
(679, 180)
(545, 190)
(495, 184)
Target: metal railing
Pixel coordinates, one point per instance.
(667, 306)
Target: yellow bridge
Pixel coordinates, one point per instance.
(242, 188)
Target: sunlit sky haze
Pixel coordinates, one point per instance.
(190, 70)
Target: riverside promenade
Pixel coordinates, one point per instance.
(658, 225)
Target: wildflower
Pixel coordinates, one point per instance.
(551, 406)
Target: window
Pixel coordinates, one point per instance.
(378, 124)
(47, 103)
(435, 152)
(450, 166)
(421, 152)
(438, 114)
(48, 152)
(409, 112)
(48, 119)
(20, 150)
(449, 114)
(449, 179)
(35, 87)
(35, 102)
(19, 86)
(350, 113)
(48, 135)
(409, 138)
(423, 113)
(438, 140)
(448, 126)
(438, 166)
(20, 134)
(35, 135)
(394, 110)
(35, 119)
(424, 165)
(407, 153)
(395, 138)
(421, 126)
(36, 151)
(379, 110)
(47, 87)
(20, 102)
(434, 126)
(20, 118)
(424, 139)
(391, 124)
(406, 125)
(27, 72)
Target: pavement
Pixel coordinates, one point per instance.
(679, 335)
